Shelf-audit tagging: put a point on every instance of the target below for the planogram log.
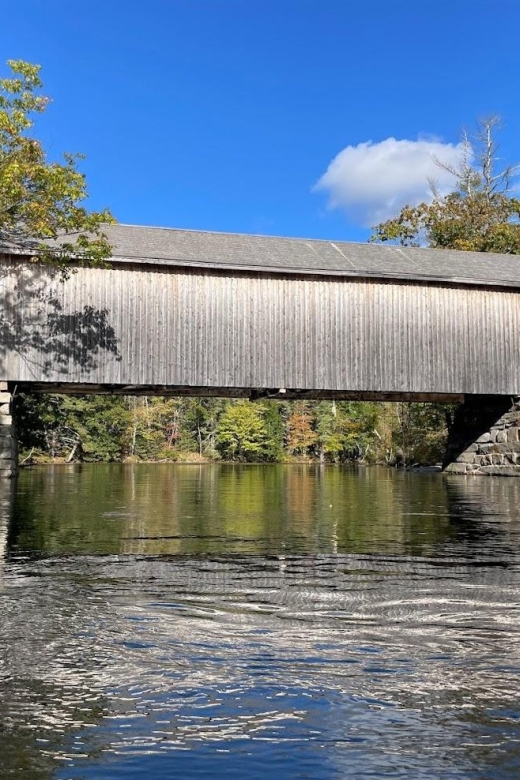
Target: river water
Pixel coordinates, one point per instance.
(171, 621)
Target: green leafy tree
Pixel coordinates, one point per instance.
(274, 415)
(330, 427)
(420, 431)
(198, 424)
(242, 433)
(41, 201)
(479, 215)
(93, 427)
(153, 430)
(359, 420)
(345, 429)
(35, 416)
(73, 427)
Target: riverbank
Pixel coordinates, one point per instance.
(57, 428)
(194, 459)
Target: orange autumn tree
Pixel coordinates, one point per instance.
(300, 433)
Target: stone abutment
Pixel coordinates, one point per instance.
(8, 447)
(485, 437)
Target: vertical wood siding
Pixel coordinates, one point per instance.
(132, 325)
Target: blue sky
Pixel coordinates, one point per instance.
(224, 114)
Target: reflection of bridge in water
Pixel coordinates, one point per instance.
(252, 316)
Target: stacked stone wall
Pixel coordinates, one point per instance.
(8, 449)
(494, 451)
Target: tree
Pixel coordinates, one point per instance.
(274, 415)
(41, 209)
(301, 435)
(420, 430)
(242, 433)
(154, 427)
(198, 424)
(73, 427)
(344, 429)
(479, 215)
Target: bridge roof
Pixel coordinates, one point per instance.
(272, 254)
(173, 247)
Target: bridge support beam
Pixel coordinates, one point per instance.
(8, 446)
(485, 437)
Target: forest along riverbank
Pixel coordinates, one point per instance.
(121, 428)
(234, 620)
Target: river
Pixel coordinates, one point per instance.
(224, 621)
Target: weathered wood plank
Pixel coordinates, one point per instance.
(176, 327)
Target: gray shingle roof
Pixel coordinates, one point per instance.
(173, 247)
(166, 246)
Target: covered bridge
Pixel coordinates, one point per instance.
(192, 312)
(223, 313)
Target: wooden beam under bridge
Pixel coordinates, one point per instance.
(255, 394)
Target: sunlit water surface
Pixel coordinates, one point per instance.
(293, 621)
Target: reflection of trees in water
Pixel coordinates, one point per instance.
(190, 509)
(186, 647)
(487, 498)
(42, 697)
(47, 690)
(164, 508)
(7, 488)
(37, 724)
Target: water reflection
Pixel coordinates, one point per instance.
(6, 510)
(203, 509)
(311, 621)
(157, 510)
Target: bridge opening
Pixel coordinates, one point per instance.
(66, 423)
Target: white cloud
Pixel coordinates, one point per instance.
(373, 181)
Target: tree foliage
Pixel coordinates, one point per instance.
(41, 201)
(480, 214)
(118, 428)
(242, 433)
(301, 436)
(344, 429)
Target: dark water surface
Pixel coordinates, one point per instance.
(176, 621)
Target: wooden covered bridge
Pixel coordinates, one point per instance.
(250, 316)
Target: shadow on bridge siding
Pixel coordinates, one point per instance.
(34, 326)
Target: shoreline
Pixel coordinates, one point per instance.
(432, 468)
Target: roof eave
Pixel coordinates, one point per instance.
(297, 270)
(306, 271)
